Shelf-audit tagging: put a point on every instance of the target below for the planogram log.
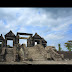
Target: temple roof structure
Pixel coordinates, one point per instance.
(1, 37)
(36, 36)
(10, 33)
(44, 41)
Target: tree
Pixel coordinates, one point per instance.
(59, 47)
(69, 45)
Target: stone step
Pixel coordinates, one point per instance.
(9, 57)
(9, 50)
(36, 53)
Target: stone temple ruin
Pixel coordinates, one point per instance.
(32, 52)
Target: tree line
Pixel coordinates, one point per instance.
(68, 46)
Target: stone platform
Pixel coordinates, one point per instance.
(38, 62)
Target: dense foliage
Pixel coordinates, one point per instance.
(69, 45)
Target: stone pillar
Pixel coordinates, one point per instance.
(41, 42)
(2, 44)
(10, 55)
(17, 39)
(14, 52)
(27, 42)
(33, 42)
(21, 53)
(45, 44)
(5, 42)
(13, 42)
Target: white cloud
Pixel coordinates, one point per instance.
(53, 36)
(57, 20)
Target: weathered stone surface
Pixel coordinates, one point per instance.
(9, 57)
(1, 58)
(24, 45)
(21, 54)
(53, 54)
(25, 51)
(67, 54)
(49, 47)
(32, 52)
(9, 50)
(3, 51)
(15, 52)
(37, 52)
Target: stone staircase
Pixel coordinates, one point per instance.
(10, 55)
(54, 55)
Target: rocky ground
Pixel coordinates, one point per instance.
(38, 62)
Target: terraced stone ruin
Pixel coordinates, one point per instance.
(31, 52)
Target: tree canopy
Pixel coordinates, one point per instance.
(69, 45)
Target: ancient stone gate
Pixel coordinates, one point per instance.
(10, 52)
(30, 41)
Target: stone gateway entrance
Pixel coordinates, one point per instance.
(33, 52)
(10, 36)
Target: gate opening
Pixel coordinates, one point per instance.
(23, 41)
(0, 44)
(10, 43)
(37, 42)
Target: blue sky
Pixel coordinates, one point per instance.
(53, 24)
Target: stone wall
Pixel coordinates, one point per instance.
(10, 55)
(53, 53)
(67, 54)
(37, 53)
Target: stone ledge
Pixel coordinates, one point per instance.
(39, 62)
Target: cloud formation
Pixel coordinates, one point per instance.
(54, 24)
